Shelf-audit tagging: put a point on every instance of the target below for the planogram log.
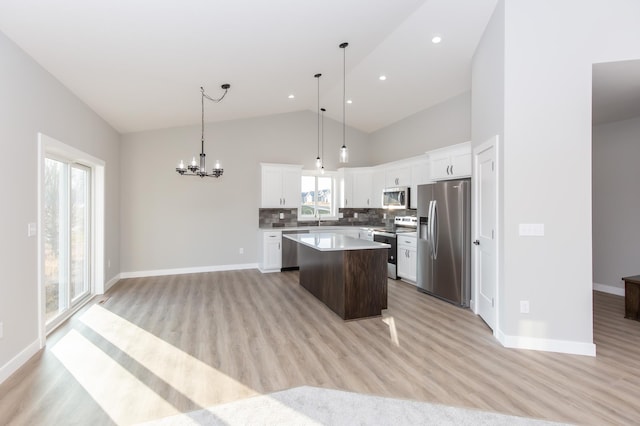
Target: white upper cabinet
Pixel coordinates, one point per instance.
(397, 176)
(280, 185)
(378, 184)
(357, 187)
(363, 188)
(451, 162)
(420, 174)
(346, 188)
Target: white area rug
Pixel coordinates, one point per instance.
(308, 405)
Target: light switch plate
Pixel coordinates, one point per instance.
(531, 230)
(32, 230)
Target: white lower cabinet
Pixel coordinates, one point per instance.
(407, 258)
(271, 260)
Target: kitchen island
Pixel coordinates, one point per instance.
(347, 274)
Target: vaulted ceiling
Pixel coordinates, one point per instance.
(140, 64)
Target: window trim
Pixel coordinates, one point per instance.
(334, 196)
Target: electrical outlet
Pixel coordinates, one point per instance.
(384, 215)
(241, 251)
(281, 215)
(524, 306)
(355, 215)
(32, 230)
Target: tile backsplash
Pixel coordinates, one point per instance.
(271, 218)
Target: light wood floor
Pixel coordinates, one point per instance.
(199, 339)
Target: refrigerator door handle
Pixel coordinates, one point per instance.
(434, 230)
(430, 229)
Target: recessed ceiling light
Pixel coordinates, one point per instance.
(349, 101)
(436, 39)
(382, 77)
(291, 96)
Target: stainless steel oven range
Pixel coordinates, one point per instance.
(388, 235)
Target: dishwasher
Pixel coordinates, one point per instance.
(290, 251)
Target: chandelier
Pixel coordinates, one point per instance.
(195, 169)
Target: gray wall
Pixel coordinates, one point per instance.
(547, 139)
(33, 101)
(445, 124)
(487, 85)
(616, 202)
(169, 221)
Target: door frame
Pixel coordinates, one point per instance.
(495, 142)
(50, 146)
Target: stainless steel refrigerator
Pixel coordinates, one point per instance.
(444, 240)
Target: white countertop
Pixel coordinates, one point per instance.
(323, 228)
(330, 241)
(407, 234)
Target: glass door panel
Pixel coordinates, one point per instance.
(55, 259)
(79, 232)
(66, 228)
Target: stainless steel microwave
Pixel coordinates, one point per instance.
(395, 198)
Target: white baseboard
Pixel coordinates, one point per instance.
(618, 291)
(546, 345)
(18, 361)
(111, 282)
(181, 271)
(267, 271)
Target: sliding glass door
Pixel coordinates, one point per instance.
(67, 231)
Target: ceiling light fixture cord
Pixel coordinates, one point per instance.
(322, 131)
(318, 159)
(193, 169)
(344, 154)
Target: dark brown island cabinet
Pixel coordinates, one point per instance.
(347, 274)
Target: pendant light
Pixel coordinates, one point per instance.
(318, 160)
(322, 131)
(344, 152)
(194, 169)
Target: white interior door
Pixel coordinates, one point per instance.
(485, 231)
